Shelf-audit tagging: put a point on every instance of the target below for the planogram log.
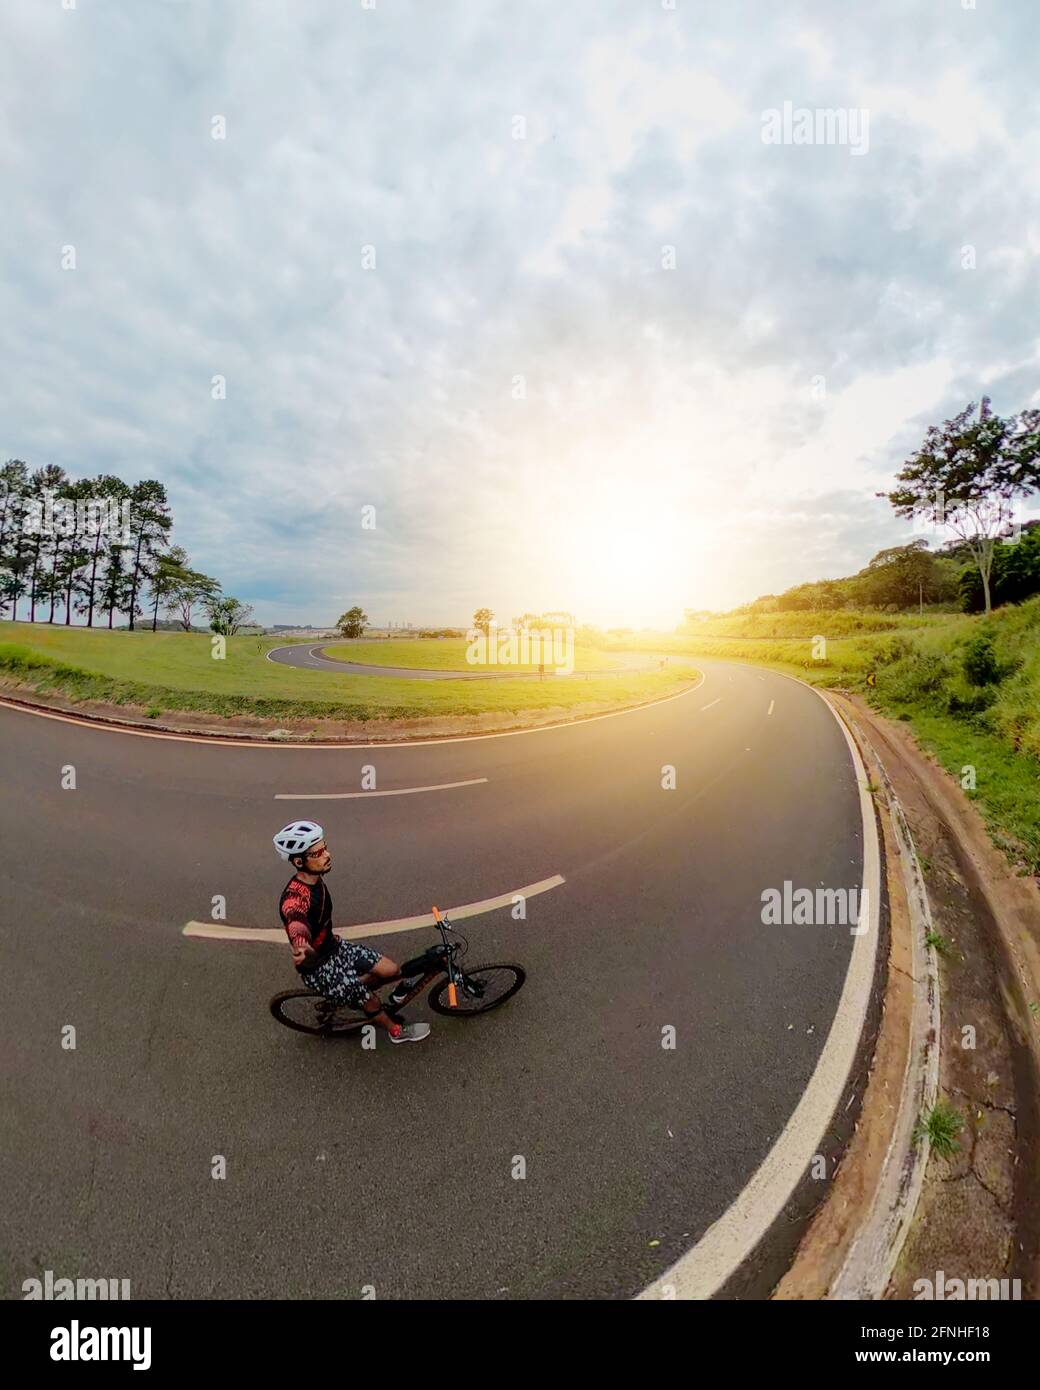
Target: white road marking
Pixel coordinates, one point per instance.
(714, 702)
(98, 727)
(726, 1244)
(770, 709)
(295, 646)
(216, 931)
(400, 791)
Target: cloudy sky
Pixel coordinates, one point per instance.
(522, 275)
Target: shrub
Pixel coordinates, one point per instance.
(970, 699)
(894, 649)
(980, 661)
(916, 676)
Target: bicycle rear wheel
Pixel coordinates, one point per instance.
(482, 988)
(312, 1013)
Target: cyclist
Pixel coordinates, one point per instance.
(340, 970)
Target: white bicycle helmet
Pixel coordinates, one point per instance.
(298, 838)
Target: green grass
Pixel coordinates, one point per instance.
(449, 654)
(834, 623)
(940, 1126)
(176, 671)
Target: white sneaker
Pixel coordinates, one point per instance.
(411, 1032)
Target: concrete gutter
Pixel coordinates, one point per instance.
(872, 1257)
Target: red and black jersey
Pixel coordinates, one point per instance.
(312, 906)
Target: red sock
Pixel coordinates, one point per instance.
(395, 1030)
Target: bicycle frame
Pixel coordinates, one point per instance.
(428, 976)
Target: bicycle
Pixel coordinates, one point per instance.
(461, 993)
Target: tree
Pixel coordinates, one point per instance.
(482, 619)
(353, 622)
(41, 525)
(227, 615)
(74, 554)
(187, 589)
(14, 487)
(1015, 575)
(114, 595)
(12, 587)
(150, 524)
(165, 572)
(905, 575)
(110, 492)
(968, 474)
(16, 546)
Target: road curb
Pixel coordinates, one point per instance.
(876, 1247)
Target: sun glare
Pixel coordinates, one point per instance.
(632, 566)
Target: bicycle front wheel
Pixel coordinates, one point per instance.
(479, 990)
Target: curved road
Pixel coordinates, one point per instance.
(311, 658)
(394, 1168)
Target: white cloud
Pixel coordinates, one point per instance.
(676, 397)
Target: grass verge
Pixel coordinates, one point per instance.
(449, 654)
(157, 672)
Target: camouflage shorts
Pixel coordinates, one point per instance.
(338, 978)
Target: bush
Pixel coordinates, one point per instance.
(894, 649)
(968, 700)
(980, 661)
(916, 676)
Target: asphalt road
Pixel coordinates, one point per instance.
(393, 1168)
(313, 659)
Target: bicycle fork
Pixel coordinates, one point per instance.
(453, 998)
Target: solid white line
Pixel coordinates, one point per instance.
(20, 708)
(714, 702)
(770, 709)
(726, 1244)
(400, 791)
(214, 931)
